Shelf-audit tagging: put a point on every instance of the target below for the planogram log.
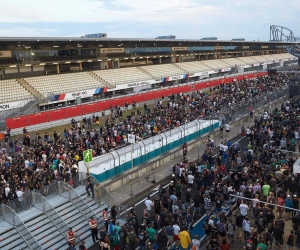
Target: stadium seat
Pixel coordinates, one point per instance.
(122, 75)
(163, 70)
(66, 83)
(13, 91)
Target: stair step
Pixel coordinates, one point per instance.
(36, 220)
(54, 237)
(8, 239)
(44, 233)
(74, 217)
(16, 244)
(59, 240)
(61, 246)
(74, 224)
(39, 225)
(65, 211)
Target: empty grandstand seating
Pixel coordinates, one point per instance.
(193, 67)
(283, 56)
(216, 64)
(247, 60)
(13, 91)
(66, 83)
(122, 75)
(163, 70)
(233, 62)
(260, 59)
(269, 57)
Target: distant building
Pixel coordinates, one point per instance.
(166, 37)
(209, 38)
(238, 39)
(96, 35)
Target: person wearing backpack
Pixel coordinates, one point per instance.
(115, 240)
(230, 229)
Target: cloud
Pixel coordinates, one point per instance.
(148, 18)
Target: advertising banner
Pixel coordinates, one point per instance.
(112, 50)
(5, 54)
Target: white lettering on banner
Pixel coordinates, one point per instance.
(5, 53)
(179, 48)
(4, 106)
(256, 64)
(112, 50)
(82, 93)
(137, 84)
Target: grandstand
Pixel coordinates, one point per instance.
(56, 84)
(11, 91)
(233, 62)
(247, 60)
(216, 64)
(193, 67)
(160, 71)
(122, 75)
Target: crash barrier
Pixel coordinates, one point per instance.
(98, 106)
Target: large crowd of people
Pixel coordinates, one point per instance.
(34, 161)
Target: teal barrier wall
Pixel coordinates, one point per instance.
(110, 165)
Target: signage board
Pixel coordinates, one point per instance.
(5, 53)
(112, 50)
(245, 47)
(131, 138)
(264, 46)
(179, 48)
(87, 156)
(143, 83)
(219, 47)
(12, 105)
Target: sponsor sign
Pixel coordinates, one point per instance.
(143, 83)
(245, 47)
(219, 47)
(264, 46)
(205, 73)
(112, 50)
(12, 105)
(5, 53)
(179, 48)
(83, 93)
(255, 64)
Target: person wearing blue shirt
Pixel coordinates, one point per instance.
(229, 144)
(288, 203)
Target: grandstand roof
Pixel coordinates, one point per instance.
(71, 42)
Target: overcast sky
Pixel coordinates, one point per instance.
(225, 19)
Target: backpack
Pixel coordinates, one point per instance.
(115, 239)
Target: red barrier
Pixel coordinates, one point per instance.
(103, 105)
(73, 111)
(38, 118)
(57, 114)
(89, 108)
(17, 122)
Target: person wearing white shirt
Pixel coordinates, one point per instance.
(21, 198)
(196, 242)
(244, 209)
(246, 228)
(227, 127)
(176, 230)
(6, 190)
(148, 204)
(190, 178)
(26, 162)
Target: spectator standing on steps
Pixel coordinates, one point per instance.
(113, 211)
(94, 230)
(71, 236)
(90, 186)
(185, 238)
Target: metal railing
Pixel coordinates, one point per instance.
(11, 217)
(41, 203)
(104, 194)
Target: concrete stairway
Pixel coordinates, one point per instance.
(10, 237)
(14, 234)
(177, 66)
(43, 229)
(103, 82)
(30, 89)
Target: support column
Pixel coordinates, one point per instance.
(80, 66)
(159, 60)
(147, 61)
(206, 56)
(198, 57)
(57, 69)
(133, 62)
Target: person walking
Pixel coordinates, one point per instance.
(185, 238)
(90, 186)
(94, 230)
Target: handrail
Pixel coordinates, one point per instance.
(35, 195)
(34, 245)
(70, 190)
